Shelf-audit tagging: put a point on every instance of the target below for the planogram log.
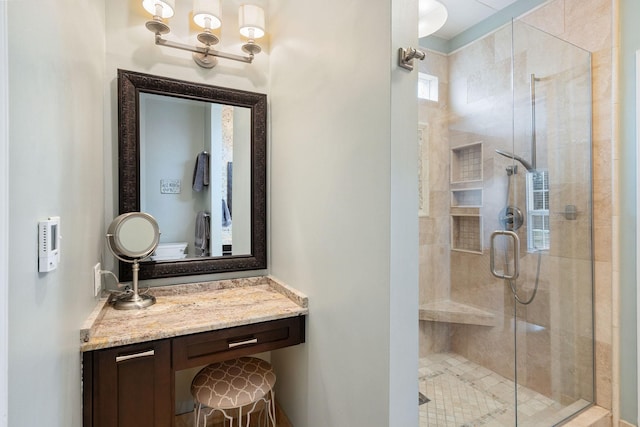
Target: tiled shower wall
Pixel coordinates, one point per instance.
(587, 24)
(475, 105)
(435, 227)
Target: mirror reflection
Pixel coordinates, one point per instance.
(138, 236)
(195, 176)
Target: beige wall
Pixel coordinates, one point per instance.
(343, 224)
(56, 75)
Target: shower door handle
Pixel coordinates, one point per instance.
(516, 255)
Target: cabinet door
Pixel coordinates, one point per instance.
(132, 386)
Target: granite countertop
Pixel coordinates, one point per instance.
(192, 308)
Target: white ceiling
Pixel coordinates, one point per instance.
(464, 14)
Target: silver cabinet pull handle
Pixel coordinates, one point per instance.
(516, 255)
(135, 356)
(239, 343)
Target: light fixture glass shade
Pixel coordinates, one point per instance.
(432, 16)
(251, 19)
(165, 8)
(204, 10)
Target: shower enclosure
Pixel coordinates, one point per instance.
(506, 270)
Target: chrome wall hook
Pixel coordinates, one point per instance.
(406, 57)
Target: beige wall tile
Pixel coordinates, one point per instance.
(602, 291)
(582, 17)
(603, 375)
(549, 18)
(434, 337)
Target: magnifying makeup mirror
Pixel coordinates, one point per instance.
(132, 237)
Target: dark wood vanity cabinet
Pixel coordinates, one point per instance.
(133, 385)
(129, 386)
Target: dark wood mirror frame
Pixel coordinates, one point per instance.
(130, 85)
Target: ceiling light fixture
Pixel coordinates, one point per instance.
(206, 15)
(431, 17)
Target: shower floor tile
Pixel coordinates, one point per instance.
(464, 394)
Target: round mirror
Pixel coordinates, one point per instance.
(132, 237)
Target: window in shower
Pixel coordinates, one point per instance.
(427, 87)
(538, 211)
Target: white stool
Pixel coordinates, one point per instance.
(235, 388)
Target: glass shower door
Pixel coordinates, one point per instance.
(506, 263)
(552, 295)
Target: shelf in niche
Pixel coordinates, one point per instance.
(466, 198)
(466, 163)
(466, 233)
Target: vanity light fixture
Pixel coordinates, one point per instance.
(206, 15)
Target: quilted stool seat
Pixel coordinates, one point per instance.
(236, 388)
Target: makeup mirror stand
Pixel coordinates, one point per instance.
(133, 237)
(134, 300)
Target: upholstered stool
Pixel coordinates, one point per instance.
(236, 388)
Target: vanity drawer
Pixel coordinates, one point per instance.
(215, 346)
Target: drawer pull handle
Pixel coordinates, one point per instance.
(135, 356)
(245, 342)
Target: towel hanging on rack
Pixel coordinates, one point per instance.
(201, 171)
(226, 215)
(202, 234)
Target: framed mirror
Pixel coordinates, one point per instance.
(194, 156)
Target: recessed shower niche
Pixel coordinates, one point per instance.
(466, 221)
(466, 233)
(466, 163)
(466, 198)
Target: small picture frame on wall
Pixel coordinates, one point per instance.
(170, 186)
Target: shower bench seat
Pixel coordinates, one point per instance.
(455, 312)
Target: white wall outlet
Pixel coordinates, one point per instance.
(97, 280)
